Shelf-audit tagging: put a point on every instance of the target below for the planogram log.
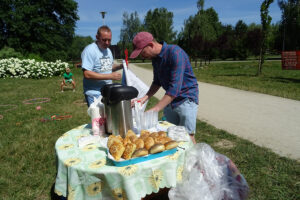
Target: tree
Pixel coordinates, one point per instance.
(131, 26)
(40, 27)
(159, 22)
(200, 33)
(239, 42)
(253, 40)
(77, 46)
(290, 24)
(225, 42)
(265, 24)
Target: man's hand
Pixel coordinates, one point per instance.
(116, 76)
(143, 99)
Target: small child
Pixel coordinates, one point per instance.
(67, 79)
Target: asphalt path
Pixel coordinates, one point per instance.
(265, 120)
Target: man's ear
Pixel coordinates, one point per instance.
(151, 44)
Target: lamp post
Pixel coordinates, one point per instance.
(103, 16)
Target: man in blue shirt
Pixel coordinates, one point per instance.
(97, 65)
(173, 71)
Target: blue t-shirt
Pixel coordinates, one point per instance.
(173, 71)
(97, 60)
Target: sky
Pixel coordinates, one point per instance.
(229, 11)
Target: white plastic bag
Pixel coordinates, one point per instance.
(178, 133)
(96, 112)
(130, 79)
(208, 175)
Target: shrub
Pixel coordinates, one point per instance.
(8, 52)
(28, 68)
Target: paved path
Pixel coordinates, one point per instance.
(265, 120)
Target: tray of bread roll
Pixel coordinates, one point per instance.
(139, 148)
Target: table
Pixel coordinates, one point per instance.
(87, 173)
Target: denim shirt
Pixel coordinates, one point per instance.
(173, 71)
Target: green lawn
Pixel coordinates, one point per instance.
(241, 75)
(28, 166)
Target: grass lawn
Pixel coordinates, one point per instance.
(28, 165)
(241, 75)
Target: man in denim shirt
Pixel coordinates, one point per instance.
(97, 65)
(172, 71)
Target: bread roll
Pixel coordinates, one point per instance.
(144, 137)
(130, 133)
(171, 145)
(116, 150)
(139, 143)
(129, 149)
(157, 148)
(140, 152)
(162, 140)
(144, 133)
(112, 139)
(154, 134)
(162, 134)
(126, 141)
(133, 138)
(149, 142)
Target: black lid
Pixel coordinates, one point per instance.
(121, 93)
(105, 90)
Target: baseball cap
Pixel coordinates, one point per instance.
(140, 41)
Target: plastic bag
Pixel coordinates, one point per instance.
(96, 112)
(130, 79)
(144, 120)
(208, 175)
(178, 133)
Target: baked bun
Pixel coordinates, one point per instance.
(139, 143)
(140, 152)
(130, 133)
(144, 133)
(162, 140)
(149, 142)
(129, 149)
(171, 145)
(133, 138)
(126, 141)
(112, 139)
(116, 150)
(154, 134)
(157, 148)
(162, 134)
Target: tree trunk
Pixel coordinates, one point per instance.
(260, 62)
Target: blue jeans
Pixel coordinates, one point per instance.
(90, 98)
(183, 115)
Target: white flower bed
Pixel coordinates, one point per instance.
(16, 68)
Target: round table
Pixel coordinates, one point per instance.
(87, 173)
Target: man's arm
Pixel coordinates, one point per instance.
(94, 75)
(117, 67)
(152, 90)
(163, 103)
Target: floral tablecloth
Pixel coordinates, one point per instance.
(87, 173)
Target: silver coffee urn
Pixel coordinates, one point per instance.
(117, 107)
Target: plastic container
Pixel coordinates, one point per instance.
(141, 159)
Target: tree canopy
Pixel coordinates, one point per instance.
(42, 27)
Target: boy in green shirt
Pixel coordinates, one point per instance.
(67, 79)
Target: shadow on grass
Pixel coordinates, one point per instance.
(54, 196)
(285, 80)
(235, 75)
